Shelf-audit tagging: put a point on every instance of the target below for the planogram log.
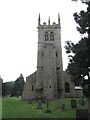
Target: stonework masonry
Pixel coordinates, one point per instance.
(49, 80)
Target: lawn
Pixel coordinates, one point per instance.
(15, 108)
(0, 108)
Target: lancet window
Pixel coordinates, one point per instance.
(46, 36)
(51, 36)
(67, 87)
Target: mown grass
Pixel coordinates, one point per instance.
(0, 108)
(15, 108)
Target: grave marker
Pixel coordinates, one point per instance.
(62, 107)
(39, 105)
(73, 103)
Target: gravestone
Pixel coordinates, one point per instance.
(81, 114)
(62, 107)
(39, 105)
(73, 103)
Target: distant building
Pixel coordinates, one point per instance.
(49, 80)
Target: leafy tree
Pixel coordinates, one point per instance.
(7, 88)
(18, 86)
(81, 0)
(79, 59)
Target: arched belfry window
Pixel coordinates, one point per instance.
(51, 36)
(46, 36)
(67, 87)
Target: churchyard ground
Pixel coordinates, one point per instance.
(15, 108)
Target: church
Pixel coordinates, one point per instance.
(49, 80)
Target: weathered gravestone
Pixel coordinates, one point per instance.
(62, 107)
(81, 114)
(39, 105)
(73, 103)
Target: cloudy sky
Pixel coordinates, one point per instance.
(19, 37)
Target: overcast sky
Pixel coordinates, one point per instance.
(19, 37)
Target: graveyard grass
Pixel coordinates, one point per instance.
(15, 108)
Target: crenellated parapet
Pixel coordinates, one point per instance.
(46, 26)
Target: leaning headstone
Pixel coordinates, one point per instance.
(81, 114)
(39, 105)
(62, 107)
(73, 103)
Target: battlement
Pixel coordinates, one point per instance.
(46, 26)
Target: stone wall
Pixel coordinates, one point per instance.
(79, 93)
(67, 79)
(29, 91)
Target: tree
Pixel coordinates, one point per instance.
(79, 62)
(81, 0)
(79, 58)
(7, 88)
(18, 86)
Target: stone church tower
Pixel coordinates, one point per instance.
(49, 61)
(49, 80)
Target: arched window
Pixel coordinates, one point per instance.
(67, 87)
(46, 36)
(51, 36)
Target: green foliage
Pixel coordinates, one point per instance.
(7, 88)
(78, 61)
(18, 86)
(83, 20)
(13, 88)
(79, 58)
